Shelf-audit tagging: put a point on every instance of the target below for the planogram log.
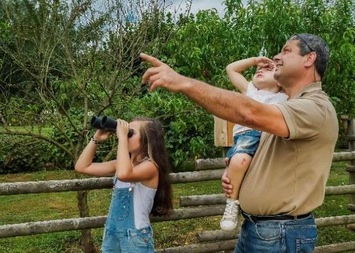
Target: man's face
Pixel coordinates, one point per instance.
(288, 62)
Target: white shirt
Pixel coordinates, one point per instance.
(262, 96)
(143, 199)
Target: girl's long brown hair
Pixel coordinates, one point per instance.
(153, 146)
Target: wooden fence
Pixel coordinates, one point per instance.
(190, 206)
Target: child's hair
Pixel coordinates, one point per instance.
(153, 146)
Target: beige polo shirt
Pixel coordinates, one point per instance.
(288, 175)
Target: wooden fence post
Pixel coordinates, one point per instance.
(351, 165)
(223, 134)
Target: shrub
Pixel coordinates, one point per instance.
(23, 154)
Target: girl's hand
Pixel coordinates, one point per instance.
(122, 129)
(101, 135)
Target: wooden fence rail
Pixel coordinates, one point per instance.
(191, 207)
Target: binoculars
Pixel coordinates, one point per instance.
(108, 124)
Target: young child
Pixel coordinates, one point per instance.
(265, 89)
(141, 183)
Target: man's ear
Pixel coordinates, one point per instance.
(311, 59)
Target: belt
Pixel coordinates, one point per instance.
(255, 218)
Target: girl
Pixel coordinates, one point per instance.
(141, 183)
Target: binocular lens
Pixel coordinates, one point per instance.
(130, 132)
(96, 122)
(108, 124)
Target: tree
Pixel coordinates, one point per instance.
(63, 62)
(262, 27)
(67, 61)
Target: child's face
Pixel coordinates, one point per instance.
(264, 77)
(134, 142)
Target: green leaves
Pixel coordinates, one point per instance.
(63, 60)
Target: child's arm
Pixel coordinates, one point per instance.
(84, 163)
(235, 69)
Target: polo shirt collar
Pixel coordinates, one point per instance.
(316, 86)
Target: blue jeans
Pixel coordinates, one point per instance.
(278, 236)
(120, 234)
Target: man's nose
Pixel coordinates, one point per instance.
(276, 58)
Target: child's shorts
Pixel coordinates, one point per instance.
(246, 142)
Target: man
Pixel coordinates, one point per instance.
(287, 177)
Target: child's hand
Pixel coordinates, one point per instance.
(122, 129)
(101, 135)
(264, 62)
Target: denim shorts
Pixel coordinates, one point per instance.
(246, 142)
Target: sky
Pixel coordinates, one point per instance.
(179, 5)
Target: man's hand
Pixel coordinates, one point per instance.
(161, 75)
(226, 184)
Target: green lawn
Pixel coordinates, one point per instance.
(38, 207)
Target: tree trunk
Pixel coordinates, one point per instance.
(86, 241)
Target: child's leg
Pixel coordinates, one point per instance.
(238, 166)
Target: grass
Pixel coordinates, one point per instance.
(47, 206)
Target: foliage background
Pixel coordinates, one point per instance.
(61, 62)
(64, 61)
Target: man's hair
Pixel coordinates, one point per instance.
(313, 43)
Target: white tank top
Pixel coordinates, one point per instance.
(143, 199)
(262, 96)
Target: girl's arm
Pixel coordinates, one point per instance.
(144, 171)
(84, 163)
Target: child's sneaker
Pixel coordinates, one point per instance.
(230, 216)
